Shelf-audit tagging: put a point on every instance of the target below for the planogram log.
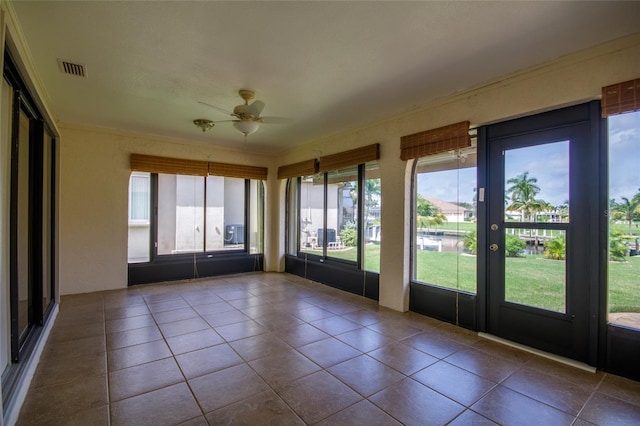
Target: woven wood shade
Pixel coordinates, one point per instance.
(174, 166)
(238, 171)
(620, 98)
(349, 158)
(430, 142)
(304, 168)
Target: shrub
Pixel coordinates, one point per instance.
(555, 248)
(349, 237)
(513, 245)
(471, 242)
(617, 247)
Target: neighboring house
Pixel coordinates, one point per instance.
(453, 212)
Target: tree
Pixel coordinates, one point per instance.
(427, 214)
(555, 248)
(371, 194)
(513, 246)
(471, 242)
(424, 207)
(522, 193)
(617, 248)
(563, 210)
(629, 209)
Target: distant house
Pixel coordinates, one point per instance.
(453, 212)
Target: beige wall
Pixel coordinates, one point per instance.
(569, 80)
(94, 167)
(94, 182)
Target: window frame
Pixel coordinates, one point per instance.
(153, 222)
(147, 220)
(294, 224)
(473, 149)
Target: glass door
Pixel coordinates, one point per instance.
(538, 238)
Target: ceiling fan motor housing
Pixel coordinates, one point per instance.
(243, 112)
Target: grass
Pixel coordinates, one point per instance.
(531, 280)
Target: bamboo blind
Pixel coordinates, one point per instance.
(621, 97)
(175, 166)
(238, 171)
(430, 142)
(349, 158)
(303, 168)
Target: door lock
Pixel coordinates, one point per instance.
(493, 247)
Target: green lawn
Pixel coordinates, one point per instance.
(531, 280)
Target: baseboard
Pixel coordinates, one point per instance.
(12, 411)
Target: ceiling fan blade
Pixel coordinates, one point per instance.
(275, 120)
(224, 111)
(256, 108)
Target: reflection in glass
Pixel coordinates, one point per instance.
(23, 225)
(445, 220)
(535, 276)
(47, 155)
(6, 113)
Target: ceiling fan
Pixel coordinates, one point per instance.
(247, 117)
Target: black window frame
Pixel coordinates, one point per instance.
(22, 345)
(198, 264)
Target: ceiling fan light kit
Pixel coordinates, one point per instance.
(247, 116)
(246, 127)
(203, 123)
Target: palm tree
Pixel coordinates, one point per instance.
(427, 214)
(522, 194)
(372, 194)
(628, 209)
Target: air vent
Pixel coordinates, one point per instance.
(72, 68)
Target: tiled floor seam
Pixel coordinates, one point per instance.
(106, 362)
(173, 356)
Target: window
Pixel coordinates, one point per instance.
(445, 220)
(256, 216)
(194, 214)
(311, 216)
(372, 205)
(328, 223)
(181, 214)
(624, 220)
(139, 198)
(138, 249)
(27, 237)
(342, 214)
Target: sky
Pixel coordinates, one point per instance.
(548, 164)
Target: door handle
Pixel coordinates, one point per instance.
(493, 247)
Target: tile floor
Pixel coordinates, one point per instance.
(275, 349)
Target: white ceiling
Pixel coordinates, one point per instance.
(328, 66)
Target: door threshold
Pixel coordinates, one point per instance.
(553, 357)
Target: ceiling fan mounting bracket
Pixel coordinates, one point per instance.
(246, 94)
